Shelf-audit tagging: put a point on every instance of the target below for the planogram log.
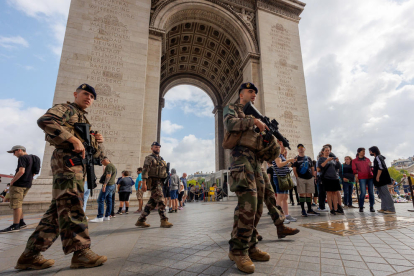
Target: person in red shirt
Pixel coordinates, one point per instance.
(361, 167)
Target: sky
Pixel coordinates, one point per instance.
(358, 59)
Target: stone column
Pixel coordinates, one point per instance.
(161, 106)
(281, 70)
(218, 118)
(106, 44)
(152, 108)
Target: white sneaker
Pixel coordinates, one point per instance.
(286, 221)
(290, 218)
(106, 219)
(97, 220)
(323, 210)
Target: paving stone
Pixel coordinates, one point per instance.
(357, 271)
(214, 270)
(284, 271)
(197, 268)
(333, 269)
(380, 267)
(400, 268)
(300, 272)
(309, 266)
(290, 257)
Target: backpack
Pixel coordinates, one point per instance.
(36, 164)
(304, 166)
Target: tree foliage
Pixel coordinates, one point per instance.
(397, 174)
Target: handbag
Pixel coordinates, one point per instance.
(285, 182)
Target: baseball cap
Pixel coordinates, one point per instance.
(16, 148)
(301, 145)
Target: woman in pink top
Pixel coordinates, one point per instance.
(361, 167)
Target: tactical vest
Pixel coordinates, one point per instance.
(158, 168)
(71, 129)
(249, 138)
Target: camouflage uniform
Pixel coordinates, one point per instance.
(65, 216)
(275, 211)
(155, 185)
(248, 184)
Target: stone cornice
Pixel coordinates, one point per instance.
(289, 9)
(247, 58)
(156, 32)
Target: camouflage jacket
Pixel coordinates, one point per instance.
(152, 165)
(58, 121)
(235, 120)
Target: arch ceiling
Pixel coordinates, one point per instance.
(202, 50)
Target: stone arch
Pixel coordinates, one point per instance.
(197, 81)
(239, 23)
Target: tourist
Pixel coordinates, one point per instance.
(361, 166)
(316, 194)
(381, 180)
(5, 194)
(138, 189)
(124, 191)
(166, 193)
(303, 171)
(348, 181)
(321, 189)
(391, 187)
(294, 189)
(27, 167)
(196, 192)
(270, 173)
(174, 185)
(405, 185)
(105, 195)
(281, 170)
(184, 181)
(396, 187)
(181, 195)
(330, 180)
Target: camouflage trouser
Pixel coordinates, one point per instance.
(65, 216)
(248, 183)
(157, 198)
(270, 200)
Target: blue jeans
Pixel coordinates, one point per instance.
(363, 183)
(348, 189)
(85, 195)
(105, 197)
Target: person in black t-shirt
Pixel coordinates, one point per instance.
(304, 171)
(19, 186)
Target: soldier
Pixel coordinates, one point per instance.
(247, 181)
(153, 174)
(65, 216)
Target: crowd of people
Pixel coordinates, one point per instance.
(327, 180)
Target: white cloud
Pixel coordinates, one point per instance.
(359, 74)
(190, 154)
(19, 127)
(13, 42)
(169, 128)
(54, 13)
(190, 99)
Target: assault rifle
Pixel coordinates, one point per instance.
(273, 125)
(83, 130)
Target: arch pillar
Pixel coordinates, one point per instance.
(219, 135)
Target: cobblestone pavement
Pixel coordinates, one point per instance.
(198, 245)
